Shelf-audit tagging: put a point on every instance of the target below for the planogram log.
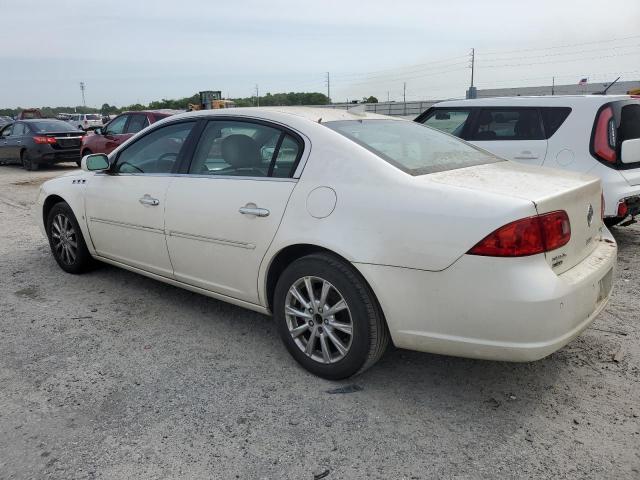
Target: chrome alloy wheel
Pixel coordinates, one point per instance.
(64, 239)
(319, 319)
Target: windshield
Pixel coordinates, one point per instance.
(52, 126)
(412, 147)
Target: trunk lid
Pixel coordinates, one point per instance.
(65, 140)
(549, 190)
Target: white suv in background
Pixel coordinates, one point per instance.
(86, 121)
(597, 134)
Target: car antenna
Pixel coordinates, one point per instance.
(604, 92)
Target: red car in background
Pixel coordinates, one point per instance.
(125, 125)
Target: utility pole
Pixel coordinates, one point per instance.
(473, 61)
(84, 103)
(404, 96)
(553, 85)
(387, 96)
(328, 88)
(257, 95)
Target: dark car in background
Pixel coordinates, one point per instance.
(125, 125)
(32, 143)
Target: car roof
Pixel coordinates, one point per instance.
(314, 114)
(540, 100)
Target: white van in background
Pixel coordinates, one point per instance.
(597, 134)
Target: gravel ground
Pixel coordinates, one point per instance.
(113, 375)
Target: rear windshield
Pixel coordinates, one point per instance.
(93, 116)
(412, 147)
(54, 126)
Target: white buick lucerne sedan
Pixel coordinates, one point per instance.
(351, 229)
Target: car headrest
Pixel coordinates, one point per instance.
(240, 151)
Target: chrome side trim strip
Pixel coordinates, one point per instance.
(127, 225)
(219, 241)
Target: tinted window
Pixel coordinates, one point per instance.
(286, 158)
(6, 131)
(553, 117)
(93, 116)
(410, 146)
(18, 130)
(136, 123)
(507, 124)
(235, 148)
(52, 126)
(116, 127)
(450, 121)
(156, 152)
(629, 122)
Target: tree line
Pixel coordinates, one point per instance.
(275, 99)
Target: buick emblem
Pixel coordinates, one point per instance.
(590, 215)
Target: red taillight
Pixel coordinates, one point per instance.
(527, 236)
(604, 138)
(44, 140)
(623, 210)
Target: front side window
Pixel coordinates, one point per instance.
(507, 124)
(246, 149)
(18, 130)
(6, 131)
(116, 127)
(136, 123)
(412, 147)
(450, 121)
(156, 152)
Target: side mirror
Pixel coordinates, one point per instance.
(95, 162)
(630, 151)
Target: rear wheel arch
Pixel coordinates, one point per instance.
(290, 254)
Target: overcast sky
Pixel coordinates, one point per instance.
(134, 51)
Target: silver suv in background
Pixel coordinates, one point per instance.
(596, 134)
(86, 121)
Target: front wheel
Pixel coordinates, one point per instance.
(66, 240)
(328, 317)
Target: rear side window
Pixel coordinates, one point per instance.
(507, 124)
(553, 117)
(450, 121)
(136, 123)
(629, 123)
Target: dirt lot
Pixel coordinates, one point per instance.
(113, 375)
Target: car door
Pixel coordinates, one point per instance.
(125, 207)
(512, 133)
(114, 134)
(14, 142)
(5, 143)
(223, 214)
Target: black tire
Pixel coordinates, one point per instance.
(612, 221)
(27, 161)
(370, 335)
(82, 260)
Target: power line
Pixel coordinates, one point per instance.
(559, 61)
(522, 57)
(497, 52)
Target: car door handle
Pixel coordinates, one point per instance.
(526, 155)
(149, 200)
(252, 209)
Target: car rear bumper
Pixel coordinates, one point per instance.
(513, 309)
(57, 156)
